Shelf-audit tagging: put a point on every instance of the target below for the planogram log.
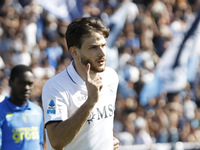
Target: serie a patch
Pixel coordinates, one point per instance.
(51, 107)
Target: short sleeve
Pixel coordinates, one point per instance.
(54, 104)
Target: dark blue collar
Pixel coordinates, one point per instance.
(14, 107)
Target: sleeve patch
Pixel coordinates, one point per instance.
(51, 107)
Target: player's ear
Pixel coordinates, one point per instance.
(74, 52)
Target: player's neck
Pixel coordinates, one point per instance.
(81, 70)
(16, 101)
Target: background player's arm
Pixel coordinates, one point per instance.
(0, 138)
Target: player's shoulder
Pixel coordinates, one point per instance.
(110, 75)
(110, 72)
(4, 109)
(34, 106)
(3, 105)
(55, 79)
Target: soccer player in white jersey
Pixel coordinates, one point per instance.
(79, 102)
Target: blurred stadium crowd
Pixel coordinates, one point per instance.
(32, 33)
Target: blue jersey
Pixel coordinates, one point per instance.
(21, 126)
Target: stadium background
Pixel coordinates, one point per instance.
(144, 44)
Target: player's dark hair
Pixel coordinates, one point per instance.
(19, 70)
(80, 28)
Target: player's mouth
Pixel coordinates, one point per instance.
(26, 94)
(101, 61)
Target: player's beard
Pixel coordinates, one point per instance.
(93, 68)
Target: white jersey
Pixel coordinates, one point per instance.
(63, 94)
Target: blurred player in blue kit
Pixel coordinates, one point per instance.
(21, 120)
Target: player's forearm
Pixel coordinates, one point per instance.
(64, 132)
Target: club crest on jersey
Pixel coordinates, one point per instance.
(51, 108)
(9, 116)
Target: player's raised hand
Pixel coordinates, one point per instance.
(93, 86)
(115, 143)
